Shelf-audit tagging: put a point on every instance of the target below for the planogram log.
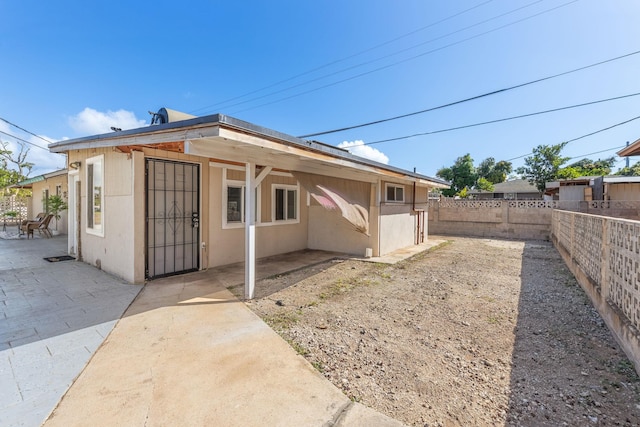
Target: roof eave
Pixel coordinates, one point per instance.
(209, 126)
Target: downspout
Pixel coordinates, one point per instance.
(419, 215)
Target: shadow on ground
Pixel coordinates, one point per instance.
(565, 360)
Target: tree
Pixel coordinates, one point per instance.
(13, 167)
(461, 175)
(484, 184)
(494, 172)
(633, 170)
(544, 165)
(587, 167)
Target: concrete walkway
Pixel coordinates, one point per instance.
(53, 317)
(188, 353)
(185, 352)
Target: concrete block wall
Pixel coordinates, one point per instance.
(603, 255)
(530, 220)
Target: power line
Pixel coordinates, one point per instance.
(388, 56)
(344, 58)
(503, 119)
(596, 152)
(404, 60)
(586, 135)
(23, 140)
(473, 98)
(24, 130)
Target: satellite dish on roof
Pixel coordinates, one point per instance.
(165, 115)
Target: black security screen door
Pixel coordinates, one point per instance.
(172, 214)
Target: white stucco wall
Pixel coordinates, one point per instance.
(397, 227)
(114, 252)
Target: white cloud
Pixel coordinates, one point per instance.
(93, 122)
(359, 149)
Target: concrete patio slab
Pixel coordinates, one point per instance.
(53, 317)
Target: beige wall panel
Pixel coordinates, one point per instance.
(624, 191)
(572, 192)
(235, 175)
(328, 231)
(227, 246)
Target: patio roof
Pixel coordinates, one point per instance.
(28, 182)
(630, 150)
(222, 137)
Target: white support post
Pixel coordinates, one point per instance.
(250, 232)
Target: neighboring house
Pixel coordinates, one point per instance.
(43, 186)
(575, 189)
(515, 189)
(208, 191)
(617, 188)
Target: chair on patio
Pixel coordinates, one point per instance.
(42, 226)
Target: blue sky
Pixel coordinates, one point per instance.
(72, 69)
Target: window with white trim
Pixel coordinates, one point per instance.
(285, 203)
(395, 193)
(95, 195)
(234, 194)
(235, 204)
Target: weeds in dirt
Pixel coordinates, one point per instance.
(281, 320)
(494, 320)
(302, 351)
(319, 366)
(625, 367)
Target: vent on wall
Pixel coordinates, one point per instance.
(165, 115)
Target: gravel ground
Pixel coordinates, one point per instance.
(474, 332)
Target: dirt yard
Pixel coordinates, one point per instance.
(474, 332)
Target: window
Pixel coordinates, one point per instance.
(234, 210)
(235, 204)
(285, 203)
(395, 193)
(95, 195)
(59, 190)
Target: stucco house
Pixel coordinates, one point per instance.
(186, 195)
(515, 189)
(43, 186)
